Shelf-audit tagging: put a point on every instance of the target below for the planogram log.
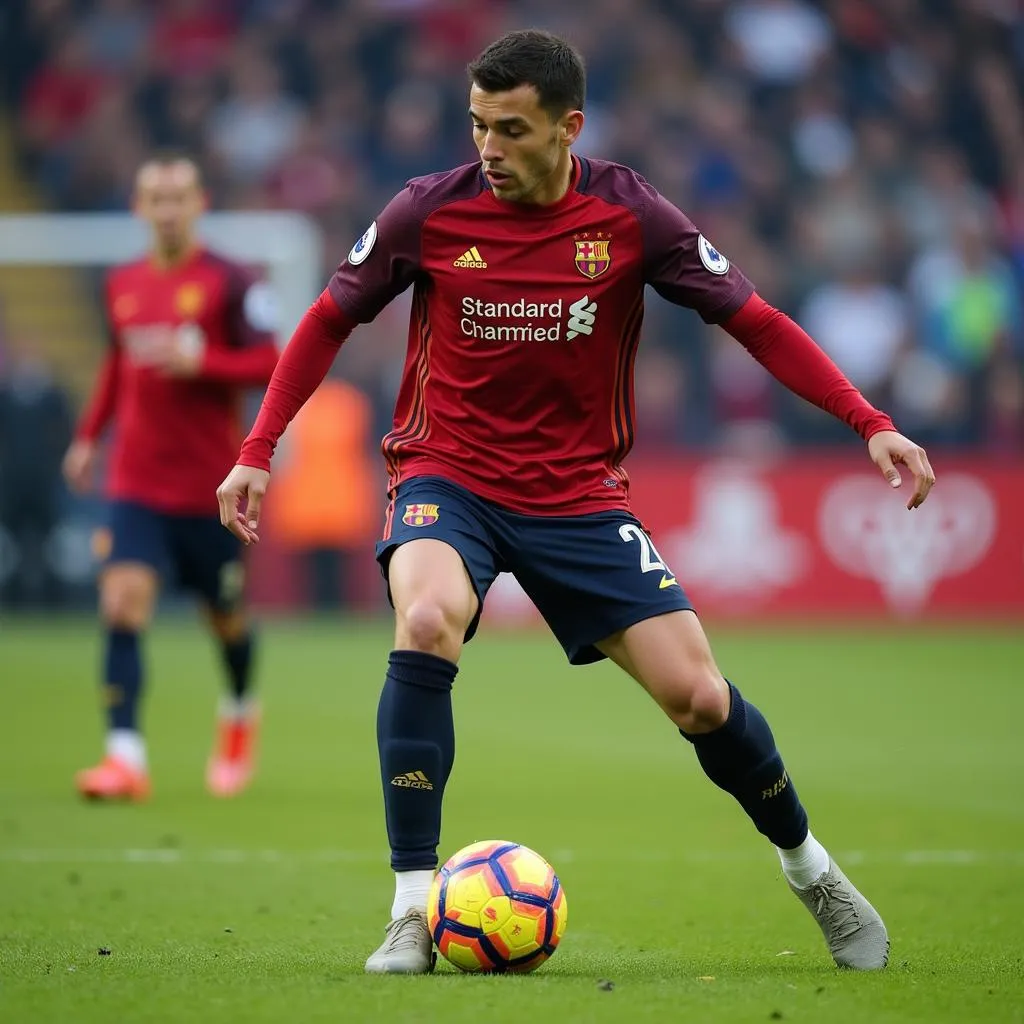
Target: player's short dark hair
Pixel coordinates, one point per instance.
(532, 57)
(167, 157)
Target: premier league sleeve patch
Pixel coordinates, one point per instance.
(362, 248)
(712, 259)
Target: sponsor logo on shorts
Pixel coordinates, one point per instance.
(421, 515)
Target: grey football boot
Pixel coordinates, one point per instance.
(407, 947)
(854, 932)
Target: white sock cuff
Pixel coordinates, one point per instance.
(127, 745)
(411, 891)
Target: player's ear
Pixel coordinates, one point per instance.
(570, 127)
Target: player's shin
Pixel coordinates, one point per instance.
(741, 758)
(123, 687)
(237, 653)
(416, 742)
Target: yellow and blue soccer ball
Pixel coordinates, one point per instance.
(495, 907)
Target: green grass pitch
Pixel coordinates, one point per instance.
(905, 744)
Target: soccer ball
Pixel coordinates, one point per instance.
(495, 907)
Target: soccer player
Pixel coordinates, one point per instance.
(189, 332)
(513, 419)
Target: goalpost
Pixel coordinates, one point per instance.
(287, 243)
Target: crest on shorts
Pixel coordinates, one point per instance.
(592, 256)
(189, 300)
(421, 515)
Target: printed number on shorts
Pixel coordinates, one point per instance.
(650, 560)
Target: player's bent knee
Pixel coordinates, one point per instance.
(700, 703)
(428, 626)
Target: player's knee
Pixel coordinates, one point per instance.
(126, 603)
(228, 626)
(701, 702)
(123, 610)
(428, 626)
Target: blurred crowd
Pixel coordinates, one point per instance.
(861, 160)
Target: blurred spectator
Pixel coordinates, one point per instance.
(35, 428)
(116, 33)
(258, 124)
(801, 136)
(779, 40)
(60, 97)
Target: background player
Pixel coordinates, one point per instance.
(189, 331)
(513, 418)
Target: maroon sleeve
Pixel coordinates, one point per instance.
(302, 367)
(790, 355)
(103, 401)
(383, 263)
(683, 266)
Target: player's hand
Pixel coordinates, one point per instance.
(79, 466)
(889, 449)
(181, 354)
(240, 498)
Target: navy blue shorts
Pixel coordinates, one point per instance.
(589, 576)
(195, 551)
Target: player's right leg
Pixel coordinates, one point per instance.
(439, 564)
(129, 583)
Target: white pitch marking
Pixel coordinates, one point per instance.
(173, 856)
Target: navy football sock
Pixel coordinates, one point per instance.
(741, 758)
(416, 741)
(238, 657)
(123, 678)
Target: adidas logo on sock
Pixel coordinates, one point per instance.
(471, 258)
(412, 780)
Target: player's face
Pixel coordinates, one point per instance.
(169, 198)
(525, 153)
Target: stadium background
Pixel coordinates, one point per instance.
(864, 163)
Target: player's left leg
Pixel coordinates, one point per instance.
(670, 657)
(605, 591)
(209, 562)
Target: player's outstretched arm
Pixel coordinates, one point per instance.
(795, 360)
(298, 373)
(80, 460)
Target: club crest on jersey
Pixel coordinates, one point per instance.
(592, 257)
(189, 300)
(712, 259)
(421, 515)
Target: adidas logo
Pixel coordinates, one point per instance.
(412, 780)
(471, 258)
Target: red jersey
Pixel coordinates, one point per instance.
(175, 438)
(518, 382)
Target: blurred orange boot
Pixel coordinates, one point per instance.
(113, 779)
(232, 763)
